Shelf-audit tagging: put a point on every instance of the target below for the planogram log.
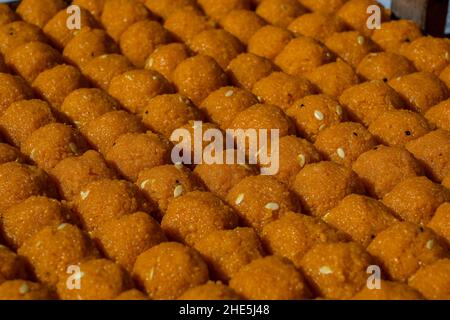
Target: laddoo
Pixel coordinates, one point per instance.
(269, 41)
(439, 115)
(25, 290)
(166, 58)
(247, 69)
(9, 153)
(12, 89)
(164, 8)
(169, 269)
(17, 33)
(39, 12)
(389, 290)
(210, 291)
(321, 186)
(394, 35)
(433, 280)
(270, 278)
(218, 9)
(242, 24)
(132, 294)
(6, 14)
(95, 7)
(440, 222)
(280, 13)
(326, 6)
(384, 66)
(317, 25)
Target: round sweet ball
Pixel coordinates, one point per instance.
(59, 30)
(186, 22)
(397, 127)
(24, 220)
(124, 239)
(9, 153)
(270, 278)
(269, 41)
(25, 290)
(162, 184)
(259, 200)
(166, 58)
(100, 279)
(134, 152)
(84, 105)
(192, 216)
(210, 291)
(303, 54)
(103, 131)
(228, 251)
(294, 154)
(17, 33)
(95, 7)
(314, 113)
(7, 15)
(439, 115)
(105, 200)
(55, 84)
(224, 104)
(134, 89)
(168, 270)
(361, 218)
(355, 16)
(218, 44)
(164, 8)
(389, 290)
(280, 13)
(12, 265)
(404, 248)
(32, 58)
(242, 24)
(344, 142)
(333, 78)
(198, 76)
(382, 168)
(132, 294)
(350, 46)
(317, 25)
(219, 9)
(367, 101)
(439, 222)
(219, 178)
(336, 270)
(141, 39)
(24, 117)
(294, 234)
(87, 45)
(167, 112)
(321, 186)
(433, 152)
(73, 173)
(394, 35)
(264, 116)
(247, 69)
(384, 66)
(53, 250)
(18, 182)
(12, 89)
(39, 12)
(420, 90)
(416, 199)
(428, 54)
(324, 6)
(52, 143)
(119, 15)
(433, 280)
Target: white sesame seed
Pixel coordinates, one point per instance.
(341, 153)
(325, 270)
(32, 154)
(326, 215)
(260, 99)
(430, 244)
(151, 274)
(239, 199)
(178, 191)
(144, 183)
(339, 110)
(318, 115)
(155, 77)
(24, 288)
(73, 147)
(301, 160)
(272, 206)
(84, 194)
(322, 126)
(62, 226)
(361, 40)
(229, 93)
(179, 166)
(150, 63)
(129, 77)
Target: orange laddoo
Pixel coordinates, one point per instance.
(164, 8)
(39, 12)
(384, 66)
(394, 35)
(321, 186)
(124, 239)
(270, 278)
(6, 14)
(242, 24)
(361, 217)
(12, 89)
(433, 281)
(325, 6)
(192, 216)
(280, 13)
(25, 290)
(259, 200)
(95, 7)
(17, 33)
(219, 9)
(382, 168)
(210, 291)
(317, 25)
(166, 58)
(269, 41)
(389, 290)
(132, 294)
(169, 269)
(247, 69)
(439, 115)
(440, 222)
